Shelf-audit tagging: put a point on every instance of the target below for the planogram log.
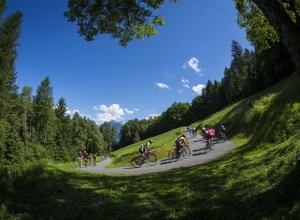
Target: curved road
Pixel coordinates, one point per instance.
(199, 155)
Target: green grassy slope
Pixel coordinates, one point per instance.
(260, 179)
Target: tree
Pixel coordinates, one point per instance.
(122, 19)
(268, 21)
(26, 115)
(63, 128)
(10, 29)
(79, 133)
(109, 136)
(43, 113)
(95, 141)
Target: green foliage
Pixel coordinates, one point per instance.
(258, 29)
(4, 131)
(124, 20)
(270, 21)
(175, 116)
(109, 136)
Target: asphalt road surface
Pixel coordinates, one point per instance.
(198, 156)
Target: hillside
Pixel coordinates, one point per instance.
(266, 118)
(258, 180)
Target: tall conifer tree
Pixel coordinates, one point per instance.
(10, 29)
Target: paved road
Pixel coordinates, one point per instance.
(198, 156)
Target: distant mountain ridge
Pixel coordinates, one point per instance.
(116, 125)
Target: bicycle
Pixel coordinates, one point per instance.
(80, 162)
(185, 152)
(222, 139)
(86, 162)
(194, 133)
(209, 146)
(150, 158)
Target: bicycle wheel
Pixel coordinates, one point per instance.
(151, 159)
(224, 138)
(172, 155)
(136, 162)
(186, 153)
(212, 143)
(207, 146)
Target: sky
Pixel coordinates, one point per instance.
(103, 81)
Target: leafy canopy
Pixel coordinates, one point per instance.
(259, 31)
(122, 19)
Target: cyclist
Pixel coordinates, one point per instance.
(209, 135)
(222, 131)
(180, 143)
(95, 158)
(79, 155)
(194, 131)
(86, 157)
(143, 150)
(203, 132)
(90, 159)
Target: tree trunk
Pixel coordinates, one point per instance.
(287, 30)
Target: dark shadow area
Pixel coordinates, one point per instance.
(199, 152)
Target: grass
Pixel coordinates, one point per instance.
(258, 180)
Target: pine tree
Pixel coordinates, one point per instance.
(26, 116)
(63, 130)
(11, 147)
(44, 118)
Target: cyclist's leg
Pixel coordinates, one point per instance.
(178, 150)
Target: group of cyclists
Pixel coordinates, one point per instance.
(89, 159)
(180, 143)
(209, 135)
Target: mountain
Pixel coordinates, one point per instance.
(117, 125)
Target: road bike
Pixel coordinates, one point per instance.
(209, 146)
(174, 154)
(80, 162)
(222, 139)
(194, 132)
(150, 158)
(86, 162)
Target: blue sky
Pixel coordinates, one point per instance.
(104, 81)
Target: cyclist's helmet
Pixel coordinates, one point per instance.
(150, 141)
(183, 135)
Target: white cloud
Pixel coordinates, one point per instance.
(113, 112)
(72, 112)
(193, 64)
(180, 91)
(129, 112)
(162, 86)
(198, 89)
(185, 83)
